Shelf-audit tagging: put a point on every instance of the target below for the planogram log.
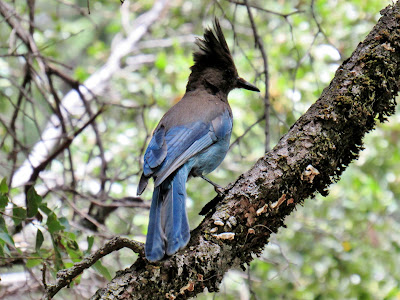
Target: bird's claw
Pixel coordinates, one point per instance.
(219, 190)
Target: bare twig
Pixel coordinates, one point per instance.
(245, 3)
(87, 216)
(44, 268)
(260, 45)
(238, 139)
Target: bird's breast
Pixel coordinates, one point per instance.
(209, 159)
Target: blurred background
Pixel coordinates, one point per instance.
(133, 60)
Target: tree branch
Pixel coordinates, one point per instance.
(65, 277)
(312, 155)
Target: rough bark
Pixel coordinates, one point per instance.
(312, 155)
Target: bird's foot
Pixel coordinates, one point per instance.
(218, 189)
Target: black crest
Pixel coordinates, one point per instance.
(213, 50)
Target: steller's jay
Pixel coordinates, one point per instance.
(191, 139)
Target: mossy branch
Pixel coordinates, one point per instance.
(312, 155)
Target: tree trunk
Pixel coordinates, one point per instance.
(312, 155)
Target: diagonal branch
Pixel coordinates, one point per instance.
(311, 156)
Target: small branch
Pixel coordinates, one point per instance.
(265, 10)
(133, 202)
(320, 30)
(18, 108)
(239, 138)
(260, 45)
(44, 268)
(65, 277)
(87, 216)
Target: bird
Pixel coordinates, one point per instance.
(191, 140)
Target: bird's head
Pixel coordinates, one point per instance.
(214, 68)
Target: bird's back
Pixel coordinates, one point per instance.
(195, 106)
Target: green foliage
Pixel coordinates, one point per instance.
(18, 215)
(53, 223)
(161, 61)
(102, 270)
(39, 240)
(63, 242)
(33, 202)
(3, 201)
(3, 186)
(5, 238)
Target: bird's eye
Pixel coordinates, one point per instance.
(229, 73)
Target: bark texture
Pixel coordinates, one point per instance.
(312, 155)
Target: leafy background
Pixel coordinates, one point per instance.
(343, 246)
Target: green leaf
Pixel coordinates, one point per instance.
(90, 240)
(3, 224)
(34, 201)
(4, 186)
(39, 240)
(43, 207)
(102, 270)
(4, 236)
(64, 222)
(161, 61)
(394, 293)
(33, 262)
(73, 251)
(3, 201)
(6, 250)
(53, 224)
(71, 246)
(113, 28)
(81, 74)
(19, 214)
(59, 264)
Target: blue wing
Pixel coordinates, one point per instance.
(168, 150)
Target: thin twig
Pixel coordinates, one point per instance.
(238, 139)
(44, 268)
(259, 43)
(245, 3)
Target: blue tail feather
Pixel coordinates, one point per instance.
(176, 227)
(168, 229)
(154, 248)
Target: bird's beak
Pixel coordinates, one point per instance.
(243, 84)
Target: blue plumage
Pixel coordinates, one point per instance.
(191, 139)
